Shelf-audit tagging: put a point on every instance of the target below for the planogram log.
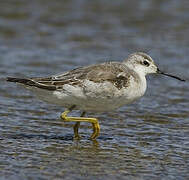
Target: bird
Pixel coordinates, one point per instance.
(95, 88)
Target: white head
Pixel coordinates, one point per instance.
(141, 63)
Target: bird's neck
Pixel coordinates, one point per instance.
(142, 84)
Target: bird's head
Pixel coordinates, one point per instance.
(143, 64)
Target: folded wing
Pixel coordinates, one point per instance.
(113, 72)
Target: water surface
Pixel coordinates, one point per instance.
(146, 140)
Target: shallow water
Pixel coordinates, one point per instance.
(146, 140)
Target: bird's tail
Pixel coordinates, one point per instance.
(31, 82)
(20, 80)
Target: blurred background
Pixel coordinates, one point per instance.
(148, 139)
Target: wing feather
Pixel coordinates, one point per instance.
(114, 72)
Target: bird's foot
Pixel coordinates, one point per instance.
(93, 121)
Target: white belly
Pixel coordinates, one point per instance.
(92, 96)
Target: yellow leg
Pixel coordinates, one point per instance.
(76, 128)
(93, 121)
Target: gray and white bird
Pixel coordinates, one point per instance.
(95, 88)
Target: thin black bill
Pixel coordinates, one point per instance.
(170, 75)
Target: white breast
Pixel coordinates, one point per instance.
(93, 96)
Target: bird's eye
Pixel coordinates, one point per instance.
(146, 63)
